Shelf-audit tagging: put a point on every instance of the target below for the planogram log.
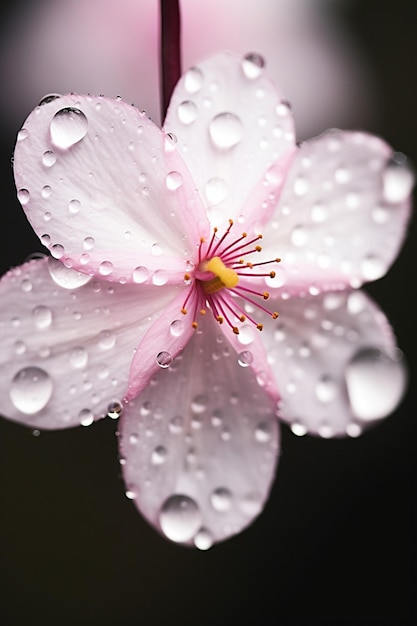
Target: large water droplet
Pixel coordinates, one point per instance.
(31, 390)
(86, 417)
(226, 130)
(180, 518)
(177, 328)
(140, 274)
(164, 359)
(398, 179)
(49, 158)
(68, 127)
(252, 65)
(65, 277)
(245, 358)
(173, 180)
(375, 383)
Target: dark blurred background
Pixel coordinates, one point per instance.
(336, 543)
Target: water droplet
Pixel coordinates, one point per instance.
(140, 274)
(226, 130)
(130, 493)
(245, 358)
(375, 383)
(252, 65)
(105, 268)
(26, 285)
(23, 196)
(193, 80)
(66, 277)
(173, 180)
(50, 97)
(298, 429)
(159, 278)
(372, 267)
(86, 417)
(221, 499)
(31, 390)
(216, 190)
(299, 236)
(180, 518)
(283, 108)
(106, 339)
(263, 432)
(22, 134)
(49, 158)
(203, 539)
(246, 334)
(78, 357)
(57, 251)
(74, 206)
(342, 175)
(326, 389)
(42, 317)
(319, 213)
(398, 179)
(159, 455)
(176, 425)
(199, 404)
(68, 127)
(301, 186)
(164, 359)
(251, 504)
(114, 410)
(176, 328)
(187, 112)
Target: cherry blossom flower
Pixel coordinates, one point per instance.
(172, 253)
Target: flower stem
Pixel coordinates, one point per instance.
(170, 50)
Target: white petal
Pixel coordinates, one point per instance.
(342, 214)
(199, 446)
(336, 364)
(68, 341)
(235, 134)
(106, 190)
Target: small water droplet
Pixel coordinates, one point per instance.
(159, 455)
(226, 130)
(375, 383)
(86, 417)
(164, 359)
(176, 328)
(130, 493)
(57, 251)
(187, 112)
(78, 357)
(140, 274)
(203, 539)
(221, 499)
(50, 97)
(176, 424)
(106, 339)
(180, 518)
(326, 389)
(246, 334)
(173, 180)
(114, 410)
(298, 429)
(193, 80)
(301, 186)
(31, 390)
(22, 134)
(245, 358)
(74, 206)
(159, 278)
(23, 196)
(42, 317)
(199, 404)
(252, 65)
(299, 236)
(68, 127)
(105, 268)
(66, 277)
(263, 432)
(49, 158)
(372, 267)
(398, 179)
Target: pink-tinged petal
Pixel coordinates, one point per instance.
(342, 214)
(199, 446)
(235, 134)
(106, 190)
(337, 366)
(67, 342)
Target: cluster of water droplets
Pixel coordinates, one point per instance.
(183, 452)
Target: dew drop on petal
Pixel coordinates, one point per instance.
(74, 206)
(78, 357)
(398, 180)
(252, 65)
(114, 410)
(57, 251)
(180, 518)
(140, 274)
(226, 130)
(106, 339)
(221, 499)
(49, 158)
(199, 404)
(164, 359)
(193, 80)
(22, 134)
(50, 97)
(105, 268)
(159, 278)
(31, 390)
(66, 277)
(245, 358)
(173, 180)
(375, 383)
(326, 389)
(176, 424)
(177, 328)
(187, 112)
(23, 196)
(263, 432)
(159, 455)
(216, 190)
(299, 236)
(68, 127)
(372, 267)
(203, 539)
(42, 316)
(298, 429)
(86, 417)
